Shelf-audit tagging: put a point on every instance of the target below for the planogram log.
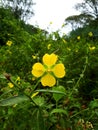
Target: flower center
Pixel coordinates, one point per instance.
(48, 70)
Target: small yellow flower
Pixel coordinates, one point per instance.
(18, 80)
(48, 47)
(10, 85)
(48, 70)
(90, 34)
(92, 48)
(9, 43)
(78, 37)
(34, 56)
(51, 22)
(63, 25)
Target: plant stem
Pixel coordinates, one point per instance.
(81, 75)
(79, 112)
(23, 91)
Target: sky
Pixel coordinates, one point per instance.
(50, 14)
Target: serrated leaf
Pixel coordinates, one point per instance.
(39, 101)
(13, 100)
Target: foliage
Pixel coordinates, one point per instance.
(21, 9)
(78, 20)
(72, 102)
(88, 7)
(13, 29)
(88, 13)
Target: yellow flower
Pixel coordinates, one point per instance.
(63, 25)
(51, 22)
(92, 48)
(18, 80)
(10, 85)
(48, 47)
(9, 43)
(78, 37)
(34, 56)
(48, 70)
(90, 34)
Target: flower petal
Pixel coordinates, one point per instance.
(38, 69)
(48, 80)
(49, 60)
(59, 70)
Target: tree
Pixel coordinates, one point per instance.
(78, 21)
(88, 7)
(89, 12)
(22, 9)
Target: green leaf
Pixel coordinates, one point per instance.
(38, 121)
(50, 91)
(13, 100)
(6, 93)
(58, 96)
(39, 101)
(2, 76)
(59, 110)
(94, 104)
(70, 82)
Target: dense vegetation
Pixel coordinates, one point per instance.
(25, 104)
